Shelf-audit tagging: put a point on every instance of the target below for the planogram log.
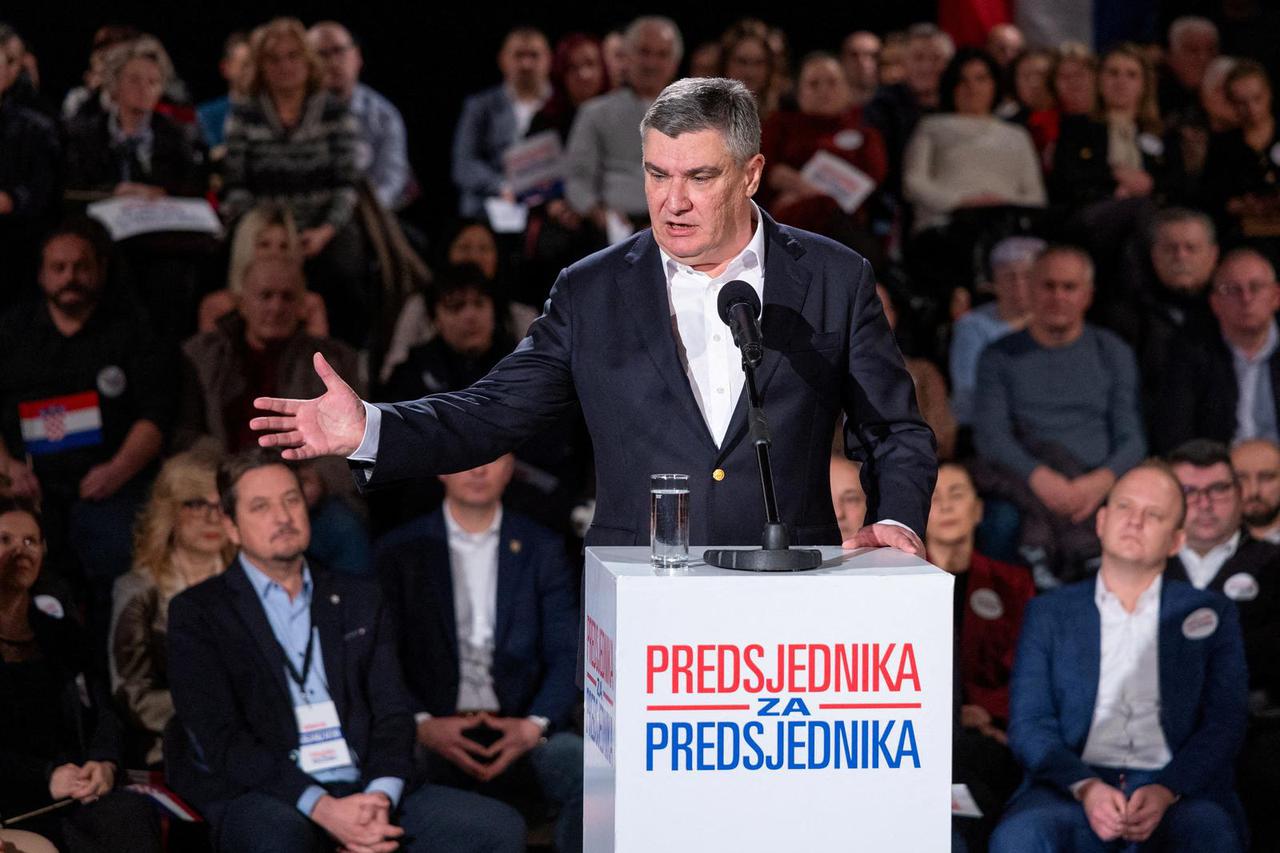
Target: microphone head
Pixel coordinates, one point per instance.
(737, 292)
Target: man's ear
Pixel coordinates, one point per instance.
(233, 532)
(754, 169)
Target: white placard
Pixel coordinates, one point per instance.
(533, 162)
(129, 217)
(616, 227)
(962, 802)
(506, 217)
(732, 711)
(844, 182)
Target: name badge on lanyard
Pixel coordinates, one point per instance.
(321, 745)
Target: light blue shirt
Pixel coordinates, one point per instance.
(969, 337)
(384, 153)
(290, 622)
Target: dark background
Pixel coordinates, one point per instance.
(427, 57)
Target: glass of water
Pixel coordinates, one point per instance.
(669, 520)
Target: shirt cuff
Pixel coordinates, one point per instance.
(389, 785)
(368, 450)
(541, 722)
(419, 717)
(898, 524)
(311, 796)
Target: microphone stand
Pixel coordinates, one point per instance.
(776, 555)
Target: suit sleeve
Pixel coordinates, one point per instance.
(525, 394)
(558, 617)
(470, 171)
(1224, 711)
(1035, 734)
(883, 424)
(211, 713)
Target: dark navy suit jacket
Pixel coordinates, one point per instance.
(606, 341)
(1203, 690)
(535, 625)
(227, 675)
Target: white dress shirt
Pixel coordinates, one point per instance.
(1202, 570)
(473, 565)
(711, 361)
(1125, 732)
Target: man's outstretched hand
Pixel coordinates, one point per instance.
(330, 425)
(887, 536)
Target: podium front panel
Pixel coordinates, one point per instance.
(762, 712)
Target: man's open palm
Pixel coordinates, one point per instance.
(330, 425)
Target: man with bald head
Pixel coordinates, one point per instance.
(1257, 464)
(1128, 700)
(383, 154)
(1225, 386)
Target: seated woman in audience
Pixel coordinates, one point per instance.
(747, 55)
(988, 601)
(1032, 104)
(294, 143)
(1073, 78)
(1117, 152)
(129, 149)
(470, 242)
(179, 541)
(556, 236)
(964, 158)
(1242, 169)
(266, 231)
(826, 121)
(59, 736)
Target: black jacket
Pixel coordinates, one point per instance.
(96, 163)
(230, 696)
(1081, 173)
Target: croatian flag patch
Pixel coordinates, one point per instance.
(61, 423)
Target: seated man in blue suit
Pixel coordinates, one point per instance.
(286, 685)
(1129, 696)
(486, 618)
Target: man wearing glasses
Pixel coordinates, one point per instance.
(1224, 387)
(1222, 556)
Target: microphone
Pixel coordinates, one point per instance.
(740, 310)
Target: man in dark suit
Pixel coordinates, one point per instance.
(485, 615)
(1221, 556)
(632, 335)
(286, 685)
(1128, 700)
(1225, 385)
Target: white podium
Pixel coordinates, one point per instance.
(732, 711)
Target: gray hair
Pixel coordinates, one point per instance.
(708, 103)
(143, 47)
(633, 30)
(1070, 251)
(1012, 250)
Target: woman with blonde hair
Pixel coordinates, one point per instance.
(266, 231)
(179, 541)
(293, 143)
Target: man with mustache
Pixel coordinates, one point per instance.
(85, 397)
(296, 729)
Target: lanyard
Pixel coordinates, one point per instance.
(300, 679)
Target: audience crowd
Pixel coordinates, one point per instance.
(1076, 251)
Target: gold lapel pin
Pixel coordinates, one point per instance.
(515, 546)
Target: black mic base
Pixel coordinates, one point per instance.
(761, 560)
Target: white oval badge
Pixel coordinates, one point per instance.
(1241, 586)
(1151, 145)
(111, 381)
(49, 606)
(986, 603)
(1200, 623)
(1275, 153)
(848, 140)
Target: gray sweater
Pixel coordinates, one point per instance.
(1082, 397)
(603, 163)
